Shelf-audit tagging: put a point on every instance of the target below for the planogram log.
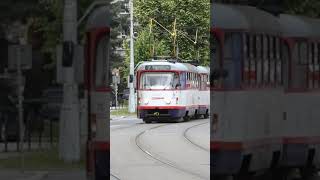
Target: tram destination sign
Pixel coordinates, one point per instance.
(157, 67)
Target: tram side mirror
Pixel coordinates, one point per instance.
(178, 85)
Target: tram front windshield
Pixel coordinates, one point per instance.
(159, 80)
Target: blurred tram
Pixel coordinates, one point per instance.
(171, 90)
(265, 85)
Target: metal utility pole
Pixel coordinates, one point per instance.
(132, 104)
(69, 139)
(20, 107)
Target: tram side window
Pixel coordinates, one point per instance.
(266, 43)
(195, 80)
(183, 80)
(311, 66)
(314, 75)
(303, 53)
(214, 56)
(272, 62)
(191, 79)
(250, 60)
(259, 59)
(278, 62)
(317, 64)
(188, 80)
(232, 60)
(203, 82)
(245, 69)
(285, 56)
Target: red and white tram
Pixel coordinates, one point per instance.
(265, 92)
(171, 90)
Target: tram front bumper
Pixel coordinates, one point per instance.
(161, 113)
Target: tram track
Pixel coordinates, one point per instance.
(126, 127)
(114, 176)
(159, 158)
(185, 135)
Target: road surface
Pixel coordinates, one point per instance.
(160, 150)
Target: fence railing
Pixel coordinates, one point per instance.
(39, 132)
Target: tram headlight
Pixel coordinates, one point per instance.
(146, 101)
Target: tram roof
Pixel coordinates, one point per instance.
(299, 26)
(100, 17)
(176, 66)
(202, 69)
(245, 18)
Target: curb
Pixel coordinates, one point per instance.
(37, 176)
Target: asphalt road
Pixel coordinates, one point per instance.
(160, 150)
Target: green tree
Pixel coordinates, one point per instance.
(308, 8)
(191, 15)
(142, 46)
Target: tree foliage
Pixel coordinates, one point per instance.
(308, 7)
(190, 15)
(142, 50)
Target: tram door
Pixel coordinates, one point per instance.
(226, 63)
(98, 94)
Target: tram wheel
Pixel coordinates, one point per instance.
(197, 116)
(147, 121)
(206, 115)
(307, 173)
(186, 118)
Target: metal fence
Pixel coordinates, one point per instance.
(38, 132)
(121, 105)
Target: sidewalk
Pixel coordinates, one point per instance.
(122, 117)
(19, 175)
(42, 175)
(70, 175)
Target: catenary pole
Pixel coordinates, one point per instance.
(132, 105)
(69, 139)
